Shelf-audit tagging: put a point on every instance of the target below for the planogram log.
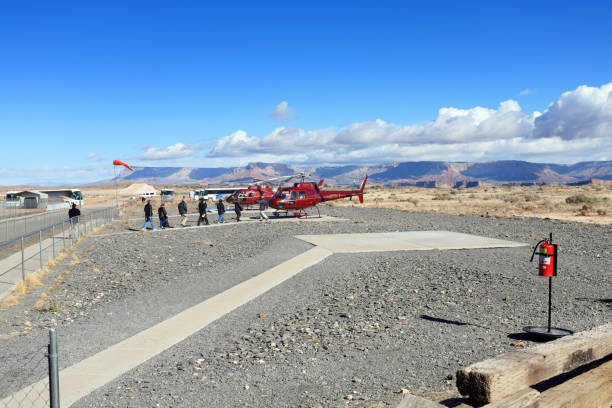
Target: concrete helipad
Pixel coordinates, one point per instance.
(404, 241)
(84, 377)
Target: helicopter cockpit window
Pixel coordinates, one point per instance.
(302, 195)
(293, 195)
(250, 194)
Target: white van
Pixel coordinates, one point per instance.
(148, 194)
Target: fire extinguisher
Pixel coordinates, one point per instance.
(547, 264)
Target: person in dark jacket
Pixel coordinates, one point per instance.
(221, 211)
(202, 206)
(74, 214)
(163, 217)
(148, 210)
(182, 208)
(238, 210)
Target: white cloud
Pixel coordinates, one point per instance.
(583, 113)
(91, 156)
(283, 112)
(477, 133)
(176, 151)
(526, 92)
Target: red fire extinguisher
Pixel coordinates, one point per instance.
(547, 264)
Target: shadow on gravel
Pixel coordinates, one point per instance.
(438, 320)
(607, 302)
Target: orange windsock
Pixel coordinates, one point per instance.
(120, 163)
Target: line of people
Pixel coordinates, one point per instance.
(182, 209)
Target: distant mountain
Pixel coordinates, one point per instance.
(406, 173)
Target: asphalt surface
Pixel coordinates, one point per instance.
(364, 325)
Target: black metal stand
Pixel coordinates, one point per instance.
(548, 332)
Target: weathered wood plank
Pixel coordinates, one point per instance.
(527, 398)
(493, 380)
(412, 401)
(591, 389)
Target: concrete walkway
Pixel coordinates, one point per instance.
(86, 376)
(99, 369)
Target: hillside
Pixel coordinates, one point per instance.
(406, 173)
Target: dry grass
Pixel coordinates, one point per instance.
(588, 204)
(38, 278)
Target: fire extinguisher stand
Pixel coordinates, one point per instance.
(547, 266)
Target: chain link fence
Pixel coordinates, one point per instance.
(29, 252)
(18, 226)
(40, 365)
(10, 209)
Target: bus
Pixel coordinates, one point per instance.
(167, 195)
(71, 195)
(214, 193)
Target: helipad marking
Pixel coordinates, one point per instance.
(404, 241)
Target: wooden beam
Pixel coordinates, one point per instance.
(591, 389)
(527, 398)
(412, 401)
(494, 379)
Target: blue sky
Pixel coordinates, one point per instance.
(190, 84)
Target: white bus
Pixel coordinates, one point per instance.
(71, 195)
(214, 193)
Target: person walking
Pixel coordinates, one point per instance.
(163, 217)
(74, 214)
(262, 208)
(202, 206)
(148, 210)
(238, 210)
(221, 211)
(182, 208)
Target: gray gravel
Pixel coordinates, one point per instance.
(364, 325)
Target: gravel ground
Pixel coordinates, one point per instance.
(352, 329)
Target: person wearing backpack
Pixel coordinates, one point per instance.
(163, 217)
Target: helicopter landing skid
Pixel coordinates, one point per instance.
(304, 214)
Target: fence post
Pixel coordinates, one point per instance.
(53, 370)
(40, 247)
(22, 262)
(53, 238)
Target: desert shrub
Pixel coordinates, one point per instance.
(472, 195)
(444, 196)
(511, 199)
(585, 210)
(531, 197)
(453, 192)
(601, 211)
(579, 199)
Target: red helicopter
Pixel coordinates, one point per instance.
(304, 195)
(251, 195)
(260, 189)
